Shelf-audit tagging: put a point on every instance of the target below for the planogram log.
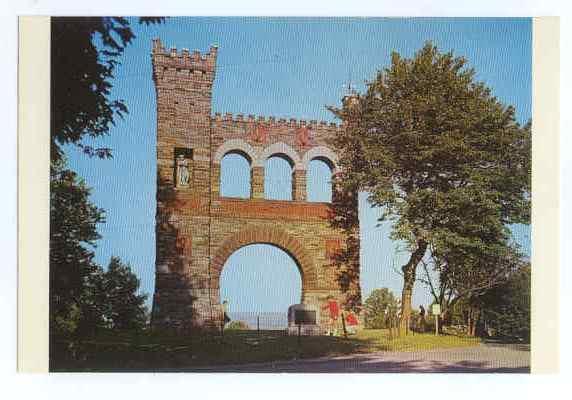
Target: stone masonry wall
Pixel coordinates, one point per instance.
(196, 228)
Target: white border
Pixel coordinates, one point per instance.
(256, 386)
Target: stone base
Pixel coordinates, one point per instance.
(305, 330)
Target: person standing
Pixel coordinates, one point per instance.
(333, 310)
(421, 318)
(351, 322)
(225, 317)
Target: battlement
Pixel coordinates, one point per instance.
(240, 119)
(183, 60)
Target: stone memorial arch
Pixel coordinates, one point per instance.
(196, 228)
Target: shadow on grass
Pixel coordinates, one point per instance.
(155, 352)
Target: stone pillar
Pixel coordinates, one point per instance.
(299, 185)
(215, 182)
(257, 183)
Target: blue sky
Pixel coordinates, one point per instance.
(282, 67)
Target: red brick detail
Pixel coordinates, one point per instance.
(333, 247)
(273, 209)
(259, 134)
(303, 136)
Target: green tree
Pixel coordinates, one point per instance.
(461, 266)
(124, 307)
(426, 140)
(84, 298)
(506, 308)
(73, 234)
(378, 306)
(84, 54)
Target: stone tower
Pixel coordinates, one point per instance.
(197, 229)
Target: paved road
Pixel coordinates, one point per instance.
(485, 358)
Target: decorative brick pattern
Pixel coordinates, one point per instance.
(197, 229)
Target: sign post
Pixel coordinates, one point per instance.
(436, 311)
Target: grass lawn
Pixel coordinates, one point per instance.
(147, 352)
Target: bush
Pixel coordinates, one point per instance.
(237, 326)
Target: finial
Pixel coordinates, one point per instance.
(157, 46)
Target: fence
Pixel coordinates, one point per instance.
(273, 321)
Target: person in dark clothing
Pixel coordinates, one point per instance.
(226, 319)
(421, 321)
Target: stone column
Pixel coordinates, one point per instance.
(299, 185)
(215, 182)
(257, 183)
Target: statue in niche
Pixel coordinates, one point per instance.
(183, 175)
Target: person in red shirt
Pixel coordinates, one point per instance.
(351, 322)
(333, 310)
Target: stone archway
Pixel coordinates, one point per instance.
(272, 236)
(197, 229)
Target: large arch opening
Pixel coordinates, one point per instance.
(319, 180)
(235, 175)
(278, 171)
(259, 283)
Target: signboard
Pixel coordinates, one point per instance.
(436, 309)
(304, 317)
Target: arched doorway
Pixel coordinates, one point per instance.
(289, 248)
(260, 282)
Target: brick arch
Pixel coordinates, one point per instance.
(321, 153)
(272, 236)
(237, 146)
(281, 149)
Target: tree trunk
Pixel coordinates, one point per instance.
(473, 317)
(409, 270)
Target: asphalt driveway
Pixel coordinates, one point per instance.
(484, 358)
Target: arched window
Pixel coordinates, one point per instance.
(278, 178)
(319, 181)
(235, 175)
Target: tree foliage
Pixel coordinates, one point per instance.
(380, 304)
(125, 308)
(84, 297)
(84, 54)
(73, 234)
(440, 155)
(506, 308)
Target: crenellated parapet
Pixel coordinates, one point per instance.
(259, 138)
(272, 121)
(184, 62)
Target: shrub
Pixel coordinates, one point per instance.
(237, 326)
